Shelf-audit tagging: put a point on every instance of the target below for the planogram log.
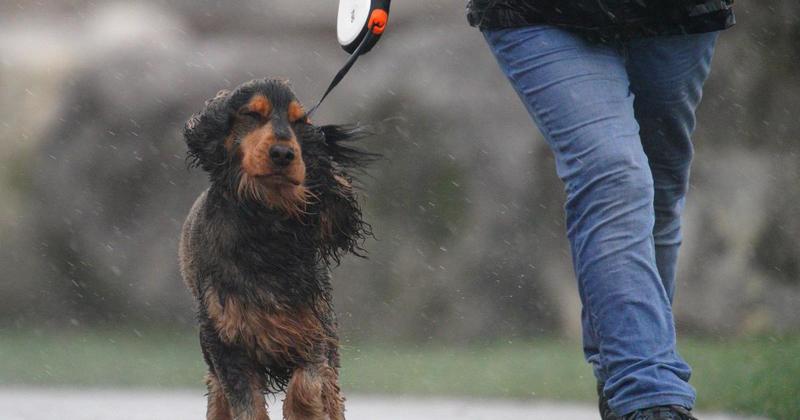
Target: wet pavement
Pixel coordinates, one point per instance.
(134, 404)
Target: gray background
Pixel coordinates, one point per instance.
(466, 207)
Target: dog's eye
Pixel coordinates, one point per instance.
(250, 113)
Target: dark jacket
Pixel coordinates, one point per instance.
(606, 18)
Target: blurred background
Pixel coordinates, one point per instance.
(468, 288)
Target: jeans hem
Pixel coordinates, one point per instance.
(648, 401)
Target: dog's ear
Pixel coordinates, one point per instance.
(205, 133)
(337, 138)
(341, 223)
(342, 227)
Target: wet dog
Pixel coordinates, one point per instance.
(256, 248)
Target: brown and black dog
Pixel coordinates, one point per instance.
(256, 247)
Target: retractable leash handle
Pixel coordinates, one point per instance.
(358, 18)
(359, 26)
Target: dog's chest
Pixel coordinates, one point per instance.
(283, 335)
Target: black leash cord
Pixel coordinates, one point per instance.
(346, 68)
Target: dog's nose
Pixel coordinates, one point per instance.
(281, 155)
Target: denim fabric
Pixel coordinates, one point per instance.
(619, 119)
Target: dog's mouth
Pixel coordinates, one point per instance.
(278, 180)
(277, 190)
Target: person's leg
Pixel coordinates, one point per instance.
(667, 76)
(578, 93)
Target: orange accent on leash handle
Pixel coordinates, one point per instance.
(377, 21)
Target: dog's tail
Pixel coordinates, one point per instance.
(337, 138)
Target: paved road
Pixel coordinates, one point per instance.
(64, 404)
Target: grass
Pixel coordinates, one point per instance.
(98, 359)
(754, 376)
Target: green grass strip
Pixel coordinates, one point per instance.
(754, 375)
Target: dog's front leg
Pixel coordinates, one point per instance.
(237, 375)
(331, 393)
(313, 394)
(218, 407)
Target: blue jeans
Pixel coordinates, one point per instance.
(619, 119)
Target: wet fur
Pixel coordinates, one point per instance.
(256, 260)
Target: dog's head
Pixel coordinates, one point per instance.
(247, 140)
(257, 144)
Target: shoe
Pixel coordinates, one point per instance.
(666, 412)
(605, 410)
(671, 412)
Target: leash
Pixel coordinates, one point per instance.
(357, 35)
